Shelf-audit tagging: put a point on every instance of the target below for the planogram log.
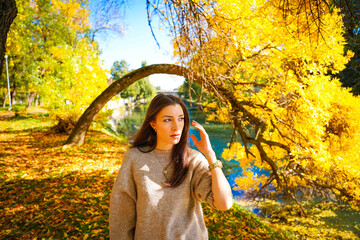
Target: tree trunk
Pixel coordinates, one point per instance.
(6, 97)
(8, 12)
(37, 100)
(77, 136)
(30, 100)
(13, 95)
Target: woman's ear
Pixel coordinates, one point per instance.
(152, 124)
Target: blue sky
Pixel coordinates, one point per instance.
(138, 45)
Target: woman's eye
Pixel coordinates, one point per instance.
(167, 120)
(181, 119)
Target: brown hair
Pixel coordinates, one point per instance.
(145, 139)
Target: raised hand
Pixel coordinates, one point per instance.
(204, 144)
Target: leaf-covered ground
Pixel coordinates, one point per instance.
(49, 192)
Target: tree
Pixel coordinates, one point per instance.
(119, 69)
(191, 90)
(146, 89)
(267, 62)
(270, 74)
(51, 54)
(141, 89)
(22, 52)
(8, 13)
(77, 136)
(71, 67)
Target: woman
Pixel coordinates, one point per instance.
(158, 191)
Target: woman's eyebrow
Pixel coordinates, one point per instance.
(172, 116)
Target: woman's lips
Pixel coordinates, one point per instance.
(175, 135)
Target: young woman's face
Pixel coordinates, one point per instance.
(168, 124)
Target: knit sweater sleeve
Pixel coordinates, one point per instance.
(122, 216)
(202, 182)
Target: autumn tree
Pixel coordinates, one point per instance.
(51, 54)
(8, 12)
(72, 70)
(23, 53)
(268, 63)
(270, 74)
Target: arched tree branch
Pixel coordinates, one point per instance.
(77, 136)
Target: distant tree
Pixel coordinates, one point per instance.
(141, 89)
(146, 89)
(119, 69)
(130, 92)
(191, 90)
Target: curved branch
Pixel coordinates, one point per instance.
(77, 136)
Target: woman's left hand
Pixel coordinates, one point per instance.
(204, 145)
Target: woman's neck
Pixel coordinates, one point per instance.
(166, 147)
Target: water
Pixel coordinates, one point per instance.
(219, 134)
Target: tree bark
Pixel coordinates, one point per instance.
(37, 100)
(77, 136)
(8, 12)
(6, 97)
(30, 100)
(13, 95)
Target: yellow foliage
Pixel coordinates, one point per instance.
(74, 79)
(76, 16)
(57, 58)
(274, 72)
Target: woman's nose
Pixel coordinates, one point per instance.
(175, 125)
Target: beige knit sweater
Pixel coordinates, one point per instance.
(141, 207)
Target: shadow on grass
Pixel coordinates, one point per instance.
(29, 130)
(22, 116)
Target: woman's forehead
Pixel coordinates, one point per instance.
(171, 110)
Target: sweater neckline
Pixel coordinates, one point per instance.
(162, 153)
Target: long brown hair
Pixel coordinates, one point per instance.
(145, 139)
